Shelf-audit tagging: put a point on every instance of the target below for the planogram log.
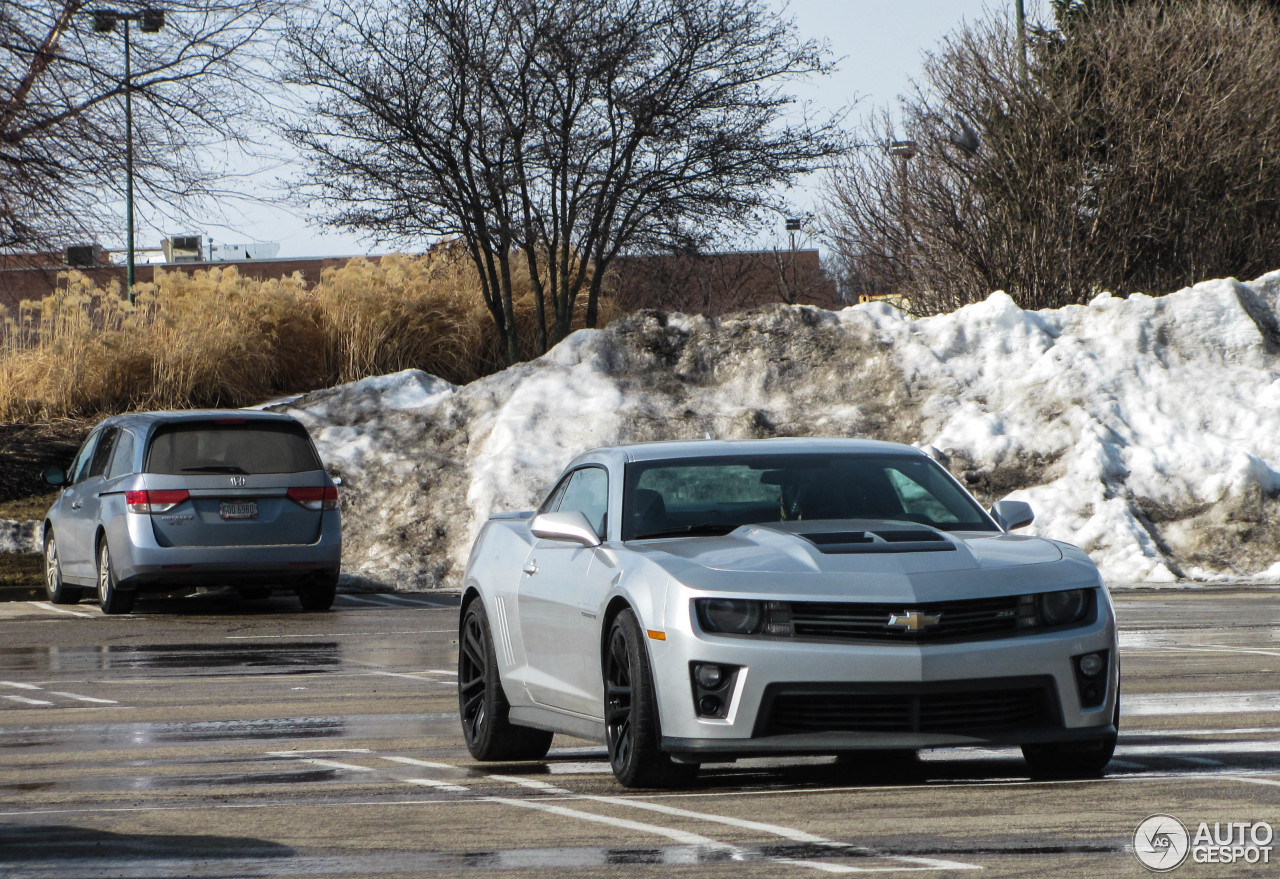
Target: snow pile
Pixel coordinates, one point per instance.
(22, 537)
(1142, 429)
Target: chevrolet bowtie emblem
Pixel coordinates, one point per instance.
(913, 620)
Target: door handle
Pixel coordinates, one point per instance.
(531, 568)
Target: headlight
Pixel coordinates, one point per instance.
(741, 616)
(732, 616)
(1060, 608)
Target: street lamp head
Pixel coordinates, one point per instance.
(903, 149)
(151, 20)
(104, 20)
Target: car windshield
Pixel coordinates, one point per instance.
(698, 496)
(235, 447)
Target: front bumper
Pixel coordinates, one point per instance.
(834, 680)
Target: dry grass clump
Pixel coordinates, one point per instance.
(214, 338)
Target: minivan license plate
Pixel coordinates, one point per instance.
(247, 510)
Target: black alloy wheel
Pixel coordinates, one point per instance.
(633, 734)
(482, 705)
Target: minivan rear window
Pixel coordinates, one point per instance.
(247, 447)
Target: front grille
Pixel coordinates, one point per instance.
(907, 708)
(847, 621)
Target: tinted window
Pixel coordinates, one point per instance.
(102, 454)
(587, 493)
(80, 464)
(231, 447)
(122, 460)
(716, 495)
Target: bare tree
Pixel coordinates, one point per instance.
(556, 132)
(1136, 153)
(62, 121)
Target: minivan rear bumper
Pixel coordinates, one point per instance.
(141, 563)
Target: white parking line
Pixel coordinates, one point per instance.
(19, 686)
(84, 698)
(312, 636)
(25, 701)
(1166, 704)
(788, 833)
(901, 863)
(439, 785)
(75, 613)
(679, 836)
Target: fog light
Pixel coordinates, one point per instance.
(710, 706)
(1091, 664)
(709, 676)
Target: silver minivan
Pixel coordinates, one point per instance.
(173, 501)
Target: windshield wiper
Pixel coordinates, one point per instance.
(215, 468)
(698, 530)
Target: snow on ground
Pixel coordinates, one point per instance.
(21, 537)
(1146, 430)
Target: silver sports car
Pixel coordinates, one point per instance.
(699, 602)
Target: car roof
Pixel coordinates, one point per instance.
(177, 416)
(659, 451)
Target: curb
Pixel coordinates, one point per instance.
(22, 593)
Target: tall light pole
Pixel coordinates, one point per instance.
(104, 22)
(904, 151)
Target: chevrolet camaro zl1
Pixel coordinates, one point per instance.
(698, 602)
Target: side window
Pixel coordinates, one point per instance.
(588, 493)
(102, 454)
(122, 460)
(553, 499)
(80, 464)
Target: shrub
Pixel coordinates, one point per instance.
(215, 338)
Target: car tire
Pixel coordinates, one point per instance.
(482, 705)
(111, 598)
(1087, 759)
(318, 596)
(633, 731)
(57, 591)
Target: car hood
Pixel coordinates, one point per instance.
(887, 559)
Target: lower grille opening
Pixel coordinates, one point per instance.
(945, 707)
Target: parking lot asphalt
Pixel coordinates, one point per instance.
(220, 737)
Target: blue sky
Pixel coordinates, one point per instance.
(879, 44)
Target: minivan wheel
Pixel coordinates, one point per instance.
(110, 597)
(318, 595)
(57, 591)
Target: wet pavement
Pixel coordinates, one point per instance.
(220, 737)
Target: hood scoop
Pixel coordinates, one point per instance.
(882, 540)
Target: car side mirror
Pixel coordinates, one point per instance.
(54, 475)
(572, 526)
(1012, 514)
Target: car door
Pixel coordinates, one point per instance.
(68, 514)
(84, 524)
(560, 593)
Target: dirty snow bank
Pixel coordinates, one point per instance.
(1146, 430)
(21, 537)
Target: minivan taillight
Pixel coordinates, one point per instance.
(155, 500)
(315, 497)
